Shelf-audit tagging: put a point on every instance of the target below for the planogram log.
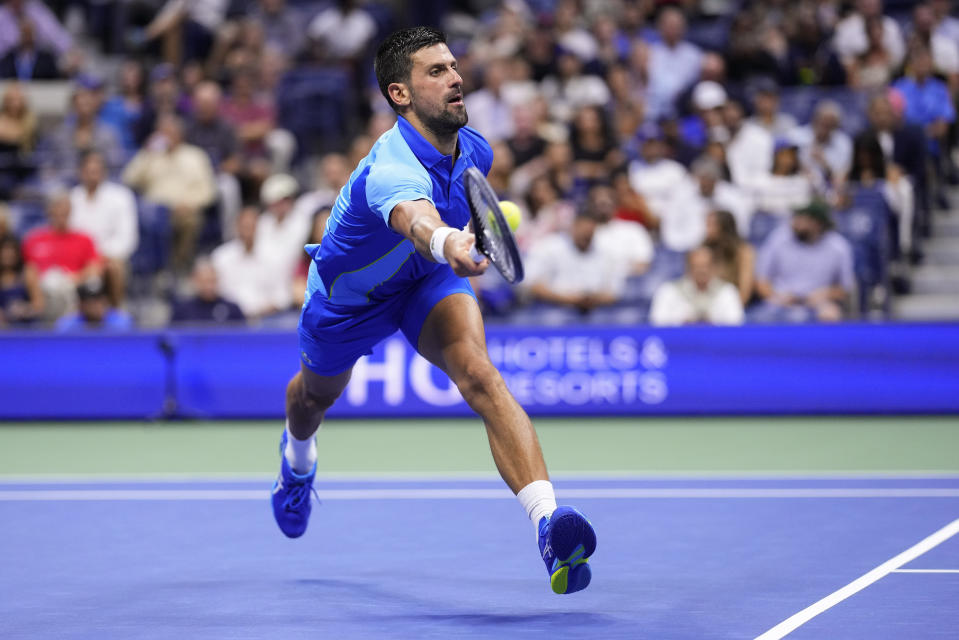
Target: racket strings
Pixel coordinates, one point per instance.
(493, 236)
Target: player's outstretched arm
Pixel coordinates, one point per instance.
(419, 221)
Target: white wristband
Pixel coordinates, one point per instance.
(438, 241)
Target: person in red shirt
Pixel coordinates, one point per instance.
(63, 257)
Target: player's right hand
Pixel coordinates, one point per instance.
(457, 253)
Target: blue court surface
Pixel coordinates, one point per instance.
(819, 557)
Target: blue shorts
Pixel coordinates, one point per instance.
(333, 337)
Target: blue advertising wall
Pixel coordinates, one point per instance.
(569, 371)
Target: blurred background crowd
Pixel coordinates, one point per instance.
(699, 161)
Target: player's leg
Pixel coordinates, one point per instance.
(453, 338)
(331, 340)
(308, 396)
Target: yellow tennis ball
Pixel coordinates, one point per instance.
(512, 214)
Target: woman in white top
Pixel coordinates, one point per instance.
(787, 187)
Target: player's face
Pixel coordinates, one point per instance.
(436, 90)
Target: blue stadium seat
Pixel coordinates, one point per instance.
(27, 216)
(761, 225)
(153, 252)
(710, 34)
(865, 224)
(315, 105)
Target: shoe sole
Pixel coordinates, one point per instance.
(574, 541)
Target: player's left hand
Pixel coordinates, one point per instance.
(457, 252)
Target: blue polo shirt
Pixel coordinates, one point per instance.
(362, 260)
(926, 103)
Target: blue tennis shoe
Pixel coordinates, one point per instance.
(566, 541)
(291, 496)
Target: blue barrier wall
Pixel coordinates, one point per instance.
(82, 376)
(569, 371)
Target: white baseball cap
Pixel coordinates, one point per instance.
(708, 95)
(277, 187)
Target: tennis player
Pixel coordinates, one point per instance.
(395, 256)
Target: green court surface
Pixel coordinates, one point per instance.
(583, 445)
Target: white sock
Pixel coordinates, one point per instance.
(301, 454)
(538, 499)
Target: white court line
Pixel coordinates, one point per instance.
(925, 571)
(448, 476)
(41, 495)
(792, 623)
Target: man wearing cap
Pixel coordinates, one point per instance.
(282, 230)
(708, 98)
(804, 270)
(94, 310)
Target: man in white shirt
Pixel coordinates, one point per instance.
(244, 275)
(749, 153)
(625, 241)
(569, 270)
(824, 148)
(850, 40)
(282, 232)
(107, 212)
(668, 189)
(699, 297)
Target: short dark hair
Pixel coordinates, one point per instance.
(88, 154)
(394, 57)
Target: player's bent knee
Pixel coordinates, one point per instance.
(477, 380)
(304, 400)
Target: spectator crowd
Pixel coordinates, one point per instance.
(694, 162)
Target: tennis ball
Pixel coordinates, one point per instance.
(512, 214)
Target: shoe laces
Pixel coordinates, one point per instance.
(297, 494)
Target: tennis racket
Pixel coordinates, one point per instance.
(494, 240)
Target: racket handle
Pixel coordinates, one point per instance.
(476, 255)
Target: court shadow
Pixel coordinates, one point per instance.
(407, 608)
